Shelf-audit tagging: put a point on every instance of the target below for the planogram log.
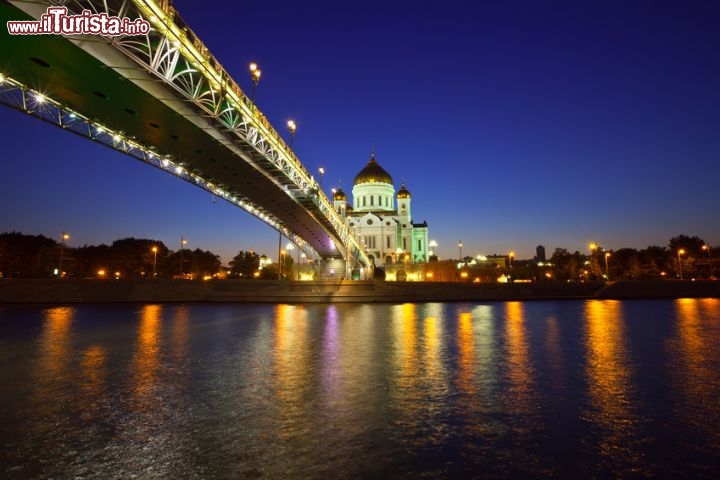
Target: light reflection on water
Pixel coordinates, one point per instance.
(586, 388)
(611, 401)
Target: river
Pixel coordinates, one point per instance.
(594, 388)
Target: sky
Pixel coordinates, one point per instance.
(513, 124)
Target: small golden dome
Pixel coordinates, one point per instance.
(403, 192)
(339, 195)
(373, 173)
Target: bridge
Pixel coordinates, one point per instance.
(162, 98)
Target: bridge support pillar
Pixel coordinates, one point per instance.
(333, 269)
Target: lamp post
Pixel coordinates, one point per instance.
(680, 252)
(282, 260)
(279, 255)
(289, 249)
(460, 249)
(322, 173)
(607, 269)
(292, 127)
(707, 247)
(154, 250)
(511, 255)
(255, 77)
(183, 242)
(65, 236)
(593, 260)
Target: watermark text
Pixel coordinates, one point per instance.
(56, 21)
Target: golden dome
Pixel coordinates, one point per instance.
(403, 192)
(339, 195)
(373, 173)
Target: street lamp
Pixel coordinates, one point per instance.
(707, 248)
(65, 236)
(183, 242)
(282, 259)
(680, 252)
(154, 250)
(292, 127)
(322, 173)
(594, 262)
(607, 270)
(433, 245)
(460, 249)
(511, 255)
(255, 77)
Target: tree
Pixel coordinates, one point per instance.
(625, 264)
(28, 255)
(245, 264)
(203, 263)
(654, 261)
(133, 257)
(566, 266)
(692, 245)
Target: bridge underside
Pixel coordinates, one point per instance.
(58, 68)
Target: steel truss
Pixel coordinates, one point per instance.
(172, 54)
(17, 96)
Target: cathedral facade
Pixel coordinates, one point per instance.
(382, 220)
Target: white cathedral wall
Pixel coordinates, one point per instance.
(373, 196)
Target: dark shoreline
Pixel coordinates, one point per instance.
(49, 291)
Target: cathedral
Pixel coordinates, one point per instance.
(382, 221)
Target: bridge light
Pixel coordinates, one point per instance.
(292, 127)
(255, 77)
(39, 98)
(165, 162)
(2, 78)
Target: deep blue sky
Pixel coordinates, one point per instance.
(513, 124)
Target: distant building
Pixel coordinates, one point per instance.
(540, 254)
(387, 232)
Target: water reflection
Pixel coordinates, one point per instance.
(363, 391)
(92, 382)
(608, 377)
(466, 348)
(331, 355)
(292, 372)
(146, 358)
(694, 365)
(520, 370)
(49, 407)
(433, 366)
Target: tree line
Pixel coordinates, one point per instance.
(37, 256)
